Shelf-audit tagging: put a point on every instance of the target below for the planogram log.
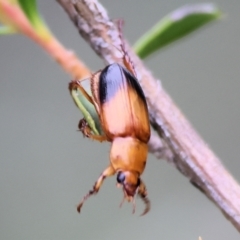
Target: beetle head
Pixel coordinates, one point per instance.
(130, 181)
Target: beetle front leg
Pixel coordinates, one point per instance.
(109, 171)
(142, 192)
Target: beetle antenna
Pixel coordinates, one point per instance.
(134, 205)
(134, 201)
(121, 203)
(124, 196)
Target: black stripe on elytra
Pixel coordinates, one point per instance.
(111, 79)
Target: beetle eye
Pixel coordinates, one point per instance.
(120, 177)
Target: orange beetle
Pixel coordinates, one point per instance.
(122, 110)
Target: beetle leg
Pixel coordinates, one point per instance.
(76, 84)
(109, 171)
(87, 132)
(126, 58)
(142, 192)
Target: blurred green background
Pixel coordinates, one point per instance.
(46, 166)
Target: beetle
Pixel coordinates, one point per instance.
(122, 110)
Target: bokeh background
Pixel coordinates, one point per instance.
(46, 166)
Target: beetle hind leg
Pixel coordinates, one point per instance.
(87, 132)
(76, 84)
(109, 171)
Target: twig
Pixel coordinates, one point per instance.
(66, 58)
(191, 155)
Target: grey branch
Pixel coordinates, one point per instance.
(189, 153)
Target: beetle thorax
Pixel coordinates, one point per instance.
(128, 154)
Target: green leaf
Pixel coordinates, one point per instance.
(175, 26)
(4, 30)
(88, 111)
(30, 9)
